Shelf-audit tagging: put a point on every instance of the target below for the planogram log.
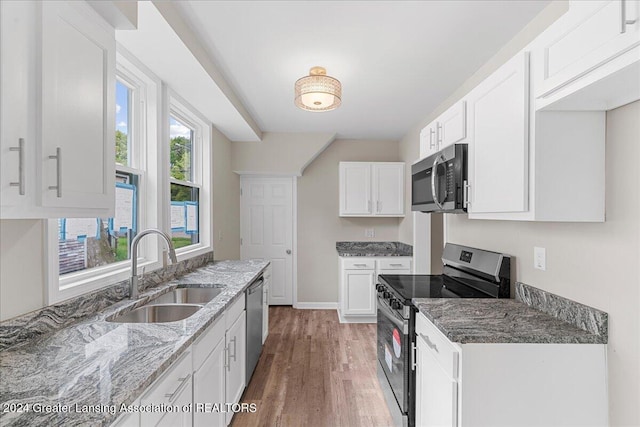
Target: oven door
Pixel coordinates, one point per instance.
(394, 345)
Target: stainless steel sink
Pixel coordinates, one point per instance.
(157, 313)
(187, 296)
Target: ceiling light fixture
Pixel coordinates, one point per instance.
(318, 92)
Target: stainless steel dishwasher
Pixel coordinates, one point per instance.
(254, 324)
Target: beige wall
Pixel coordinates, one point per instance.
(226, 201)
(279, 153)
(594, 264)
(21, 267)
(410, 143)
(319, 227)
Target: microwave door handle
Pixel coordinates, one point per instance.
(434, 170)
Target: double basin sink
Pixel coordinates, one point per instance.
(173, 306)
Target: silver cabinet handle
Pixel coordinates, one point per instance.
(359, 265)
(20, 150)
(623, 17)
(414, 356)
(396, 265)
(58, 158)
(434, 170)
(227, 363)
(183, 383)
(439, 126)
(430, 343)
(235, 348)
(465, 193)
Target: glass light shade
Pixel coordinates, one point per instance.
(317, 91)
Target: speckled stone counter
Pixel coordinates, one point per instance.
(500, 321)
(373, 249)
(99, 364)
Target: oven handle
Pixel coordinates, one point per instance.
(397, 320)
(434, 170)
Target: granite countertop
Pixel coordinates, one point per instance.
(500, 321)
(373, 249)
(99, 364)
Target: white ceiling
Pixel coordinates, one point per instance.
(397, 60)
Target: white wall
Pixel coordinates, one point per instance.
(21, 267)
(319, 227)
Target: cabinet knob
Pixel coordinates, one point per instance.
(288, 251)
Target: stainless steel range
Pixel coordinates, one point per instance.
(468, 273)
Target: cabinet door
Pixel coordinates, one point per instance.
(359, 292)
(179, 418)
(452, 125)
(429, 140)
(498, 152)
(436, 390)
(18, 30)
(355, 189)
(236, 362)
(388, 188)
(592, 33)
(209, 388)
(78, 108)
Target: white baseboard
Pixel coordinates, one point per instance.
(356, 319)
(316, 305)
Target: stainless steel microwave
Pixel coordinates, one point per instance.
(439, 182)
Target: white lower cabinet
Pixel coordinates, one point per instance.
(236, 357)
(358, 278)
(508, 384)
(172, 389)
(209, 364)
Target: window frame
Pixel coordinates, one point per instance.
(201, 152)
(145, 90)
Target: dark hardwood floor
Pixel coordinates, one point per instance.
(315, 371)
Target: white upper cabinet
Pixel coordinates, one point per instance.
(372, 189)
(58, 103)
(498, 114)
(449, 128)
(355, 189)
(579, 54)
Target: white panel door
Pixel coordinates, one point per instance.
(78, 107)
(498, 152)
(355, 189)
(388, 188)
(267, 231)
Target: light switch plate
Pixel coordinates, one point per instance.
(540, 258)
(369, 232)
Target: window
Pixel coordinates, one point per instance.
(184, 179)
(163, 180)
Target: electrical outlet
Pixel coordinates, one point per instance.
(540, 258)
(369, 232)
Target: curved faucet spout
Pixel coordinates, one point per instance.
(133, 281)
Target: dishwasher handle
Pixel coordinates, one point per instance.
(255, 286)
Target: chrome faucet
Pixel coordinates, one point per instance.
(133, 281)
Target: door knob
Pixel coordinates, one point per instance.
(288, 251)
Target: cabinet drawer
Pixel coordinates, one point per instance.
(442, 349)
(359, 264)
(394, 264)
(168, 387)
(207, 342)
(234, 311)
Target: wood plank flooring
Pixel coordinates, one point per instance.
(315, 371)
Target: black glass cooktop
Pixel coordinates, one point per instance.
(408, 286)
